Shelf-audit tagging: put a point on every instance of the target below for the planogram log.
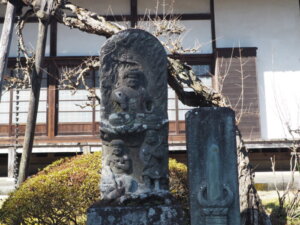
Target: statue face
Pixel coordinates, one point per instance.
(132, 79)
(117, 150)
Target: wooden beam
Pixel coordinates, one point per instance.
(215, 80)
(29, 20)
(5, 41)
(118, 18)
(52, 111)
(11, 166)
(213, 38)
(52, 95)
(94, 108)
(194, 59)
(213, 27)
(11, 93)
(237, 52)
(53, 38)
(133, 12)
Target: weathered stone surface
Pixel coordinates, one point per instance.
(136, 215)
(212, 161)
(133, 116)
(134, 133)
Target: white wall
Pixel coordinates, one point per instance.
(73, 42)
(170, 6)
(273, 26)
(30, 33)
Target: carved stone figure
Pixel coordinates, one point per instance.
(133, 116)
(118, 161)
(152, 155)
(115, 181)
(131, 96)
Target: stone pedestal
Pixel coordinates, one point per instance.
(136, 215)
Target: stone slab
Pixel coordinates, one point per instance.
(136, 215)
(211, 138)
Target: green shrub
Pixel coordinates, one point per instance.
(62, 192)
(179, 181)
(59, 194)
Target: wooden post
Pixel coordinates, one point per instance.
(6, 40)
(34, 101)
(52, 83)
(12, 154)
(86, 149)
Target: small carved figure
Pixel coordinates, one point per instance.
(118, 161)
(152, 155)
(131, 96)
(116, 181)
(110, 187)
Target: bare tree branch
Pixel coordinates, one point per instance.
(87, 21)
(181, 74)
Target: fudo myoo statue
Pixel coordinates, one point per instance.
(134, 121)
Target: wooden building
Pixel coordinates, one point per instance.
(249, 51)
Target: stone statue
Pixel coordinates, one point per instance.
(134, 122)
(134, 132)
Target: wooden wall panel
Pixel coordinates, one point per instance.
(40, 130)
(236, 70)
(4, 130)
(75, 128)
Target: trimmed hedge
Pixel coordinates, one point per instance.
(61, 193)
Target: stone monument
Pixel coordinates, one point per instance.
(134, 133)
(212, 162)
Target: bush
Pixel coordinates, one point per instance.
(179, 181)
(63, 191)
(59, 194)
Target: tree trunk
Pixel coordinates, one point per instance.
(34, 101)
(252, 210)
(5, 41)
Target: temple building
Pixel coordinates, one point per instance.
(248, 50)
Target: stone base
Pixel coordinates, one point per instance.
(136, 215)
